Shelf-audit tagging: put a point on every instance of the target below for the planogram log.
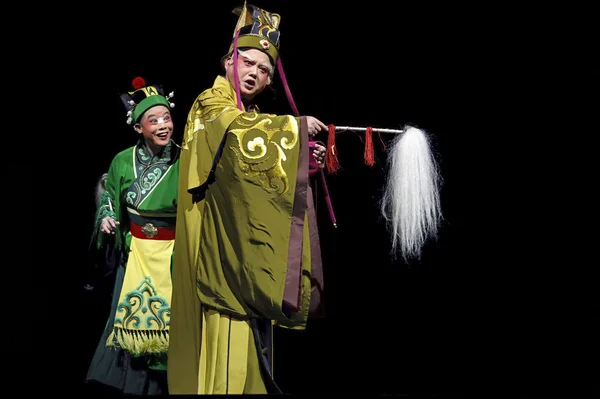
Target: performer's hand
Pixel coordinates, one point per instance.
(319, 154)
(315, 126)
(109, 225)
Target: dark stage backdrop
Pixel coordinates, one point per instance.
(391, 326)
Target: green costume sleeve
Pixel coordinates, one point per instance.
(109, 202)
(104, 209)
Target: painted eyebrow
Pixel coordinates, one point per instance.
(243, 54)
(155, 115)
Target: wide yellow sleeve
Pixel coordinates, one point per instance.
(245, 236)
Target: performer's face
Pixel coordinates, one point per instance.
(156, 125)
(254, 70)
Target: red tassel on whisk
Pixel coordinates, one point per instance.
(369, 154)
(331, 159)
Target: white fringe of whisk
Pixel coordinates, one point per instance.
(411, 201)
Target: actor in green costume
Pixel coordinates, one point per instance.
(247, 255)
(137, 214)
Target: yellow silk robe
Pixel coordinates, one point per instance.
(234, 255)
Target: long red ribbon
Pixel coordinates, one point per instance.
(288, 93)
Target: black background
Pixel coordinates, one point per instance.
(484, 311)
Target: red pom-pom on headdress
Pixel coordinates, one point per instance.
(138, 83)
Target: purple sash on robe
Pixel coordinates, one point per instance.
(303, 200)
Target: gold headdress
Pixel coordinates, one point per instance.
(258, 29)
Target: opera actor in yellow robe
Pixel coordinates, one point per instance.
(247, 254)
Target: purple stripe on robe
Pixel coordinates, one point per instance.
(316, 308)
(292, 291)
